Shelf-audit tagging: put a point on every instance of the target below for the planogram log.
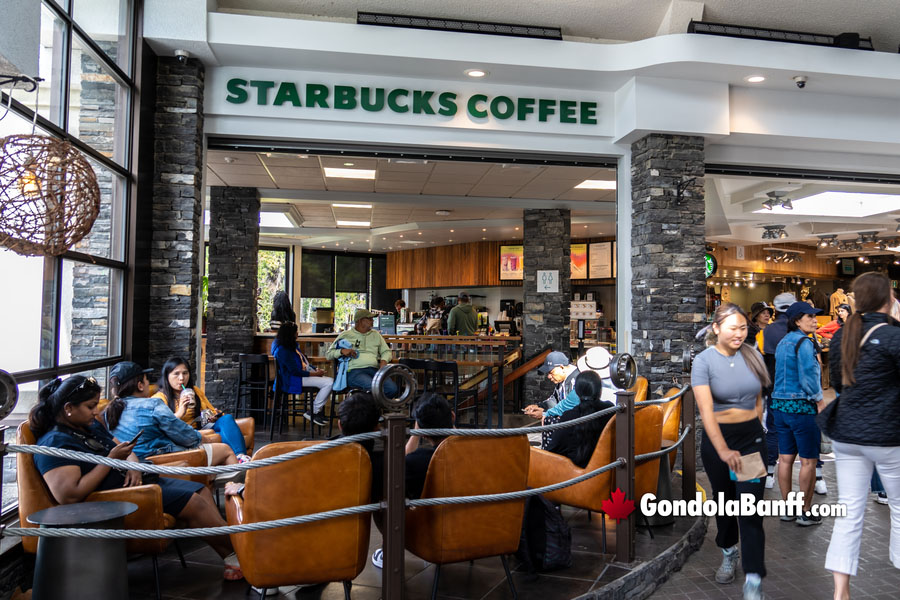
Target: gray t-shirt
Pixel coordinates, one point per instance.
(732, 383)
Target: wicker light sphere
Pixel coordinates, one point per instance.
(49, 196)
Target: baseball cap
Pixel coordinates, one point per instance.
(127, 370)
(783, 301)
(801, 308)
(553, 360)
(597, 359)
(362, 313)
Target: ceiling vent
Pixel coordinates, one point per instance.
(459, 26)
(852, 41)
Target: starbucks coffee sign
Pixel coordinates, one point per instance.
(268, 93)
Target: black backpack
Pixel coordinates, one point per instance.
(546, 542)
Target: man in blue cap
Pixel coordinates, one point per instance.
(562, 373)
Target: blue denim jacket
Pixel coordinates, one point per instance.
(798, 376)
(163, 431)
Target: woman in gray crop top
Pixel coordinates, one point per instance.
(728, 379)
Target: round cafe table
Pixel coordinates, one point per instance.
(71, 568)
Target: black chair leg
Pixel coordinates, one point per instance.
(331, 416)
(347, 586)
(647, 524)
(276, 401)
(603, 531)
(509, 579)
(178, 547)
(434, 585)
(156, 577)
(262, 593)
(589, 516)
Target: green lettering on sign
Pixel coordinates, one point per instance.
(422, 102)
(344, 97)
(502, 107)
(236, 92)
(472, 106)
(526, 107)
(287, 92)
(567, 111)
(392, 101)
(447, 100)
(316, 95)
(365, 99)
(589, 113)
(262, 91)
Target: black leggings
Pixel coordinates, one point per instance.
(746, 438)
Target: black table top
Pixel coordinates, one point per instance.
(81, 513)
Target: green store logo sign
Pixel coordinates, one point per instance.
(711, 265)
(402, 101)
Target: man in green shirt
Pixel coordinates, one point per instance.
(369, 353)
(463, 319)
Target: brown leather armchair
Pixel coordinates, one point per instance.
(453, 533)
(547, 468)
(671, 422)
(319, 552)
(34, 495)
(640, 388)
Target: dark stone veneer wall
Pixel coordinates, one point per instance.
(667, 245)
(546, 240)
(177, 211)
(233, 261)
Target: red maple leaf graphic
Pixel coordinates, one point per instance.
(617, 507)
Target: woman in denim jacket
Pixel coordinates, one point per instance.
(796, 399)
(132, 410)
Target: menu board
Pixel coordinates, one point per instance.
(511, 263)
(601, 260)
(578, 256)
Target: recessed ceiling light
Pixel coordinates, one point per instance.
(336, 244)
(420, 233)
(585, 226)
(483, 229)
(452, 230)
(354, 223)
(596, 184)
(350, 173)
(754, 79)
(349, 164)
(401, 235)
(442, 213)
(840, 204)
(476, 73)
(449, 240)
(343, 205)
(517, 228)
(484, 238)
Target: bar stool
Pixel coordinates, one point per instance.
(250, 383)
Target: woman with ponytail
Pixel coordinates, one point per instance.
(728, 379)
(132, 410)
(65, 416)
(864, 421)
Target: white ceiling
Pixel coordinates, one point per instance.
(616, 20)
(485, 200)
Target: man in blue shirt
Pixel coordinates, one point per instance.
(771, 336)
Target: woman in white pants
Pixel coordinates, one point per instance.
(862, 421)
(296, 372)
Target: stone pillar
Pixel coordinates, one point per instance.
(231, 312)
(668, 240)
(546, 237)
(177, 210)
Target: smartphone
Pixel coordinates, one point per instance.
(137, 437)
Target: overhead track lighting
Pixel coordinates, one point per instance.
(459, 26)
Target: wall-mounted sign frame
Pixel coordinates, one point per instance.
(578, 257)
(601, 265)
(512, 266)
(712, 265)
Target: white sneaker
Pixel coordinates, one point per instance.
(821, 488)
(770, 482)
(881, 498)
(378, 558)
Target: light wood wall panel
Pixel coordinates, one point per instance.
(755, 261)
(476, 264)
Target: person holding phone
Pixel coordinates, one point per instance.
(132, 410)
(728, 379)
(177, 390)
(65, 416)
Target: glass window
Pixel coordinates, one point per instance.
(98, 104)
(51, 68)
(107, 22)
(106, 238)
(21, 312)
(90, 311)
(272, 276)
(351, 273)
(308, 306)
(316, 275)
(345, 305)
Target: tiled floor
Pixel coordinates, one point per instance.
(795, 559)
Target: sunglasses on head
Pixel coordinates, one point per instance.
(88, 382)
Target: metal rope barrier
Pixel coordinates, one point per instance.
(516, 495)
(166, 470)
(665, 400)
(517, 431)
(188, 533)
(650, 455)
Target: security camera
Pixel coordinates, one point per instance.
(182, 56)
(801, 80)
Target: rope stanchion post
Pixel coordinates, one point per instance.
(625, 528)
(392, 574)
(689, 449)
